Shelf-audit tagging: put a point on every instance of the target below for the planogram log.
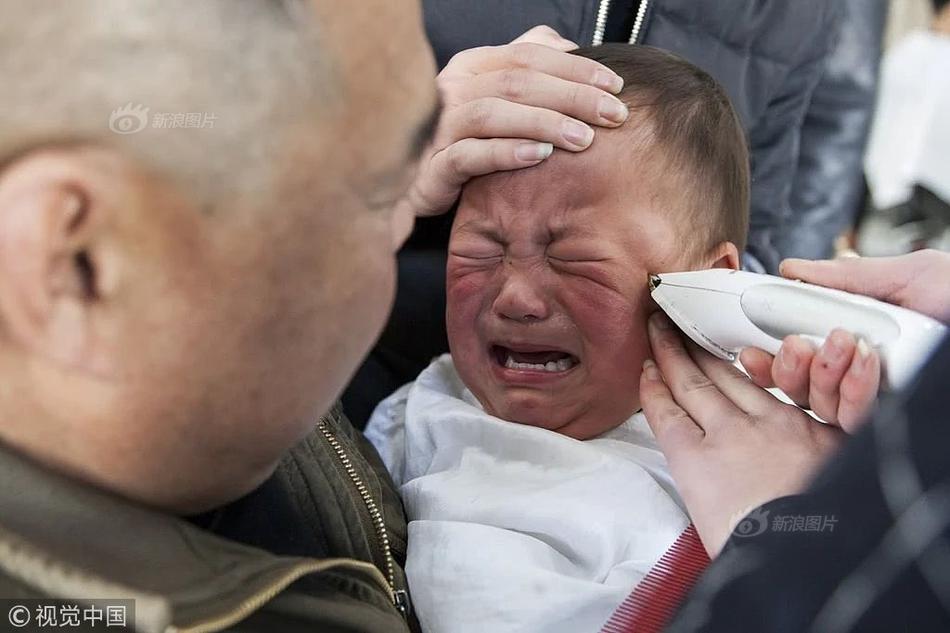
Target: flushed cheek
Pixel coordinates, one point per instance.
(468, 295)
(613, 328)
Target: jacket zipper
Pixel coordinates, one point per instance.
(259, 599)
(400, 597)
(638, 22)
(600, 25)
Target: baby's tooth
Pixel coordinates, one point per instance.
(510, 363)
(551, 366)
(564, 364)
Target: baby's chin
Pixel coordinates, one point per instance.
(580, 421)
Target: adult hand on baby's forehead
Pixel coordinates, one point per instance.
(731, 445)
(507, 107)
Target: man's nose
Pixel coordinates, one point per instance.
(521, 298)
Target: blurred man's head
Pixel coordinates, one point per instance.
(184, 293)
(547, 272)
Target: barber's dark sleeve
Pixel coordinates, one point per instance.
(829, 184)
(866, 548)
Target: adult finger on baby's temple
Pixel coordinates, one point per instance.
(859, 387)
(546, 36)
(673, 428)
(732, 383)
(691, 388)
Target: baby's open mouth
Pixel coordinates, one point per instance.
(542, 360)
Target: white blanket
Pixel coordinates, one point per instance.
(516, 528)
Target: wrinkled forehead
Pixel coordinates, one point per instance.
(618, 180)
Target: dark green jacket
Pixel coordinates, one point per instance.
(330, 518)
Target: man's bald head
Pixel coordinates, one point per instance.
(139, 331)
(250, 66)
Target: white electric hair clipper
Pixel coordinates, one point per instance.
(724, 311)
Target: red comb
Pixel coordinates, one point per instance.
(653, 602)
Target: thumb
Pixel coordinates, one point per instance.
(878, 277)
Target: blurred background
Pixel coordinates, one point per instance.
(905, 204)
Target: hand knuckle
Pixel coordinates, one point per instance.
(514, 84)
(673, 414)
(522, 54)
(577, 99)
(455, 157)
(695, 382)
(479, 113)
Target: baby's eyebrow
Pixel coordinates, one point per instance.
(482, 228)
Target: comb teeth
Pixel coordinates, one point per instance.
(651, 605)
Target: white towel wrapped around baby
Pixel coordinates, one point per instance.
(514, 527)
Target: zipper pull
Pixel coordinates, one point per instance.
(402, 602)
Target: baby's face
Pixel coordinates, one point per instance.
(547, 287)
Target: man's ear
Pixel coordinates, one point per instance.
(724, 255)
(52, 213)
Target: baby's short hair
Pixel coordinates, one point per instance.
(696, 129)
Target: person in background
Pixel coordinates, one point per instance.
(907, 164)
(769, 56)
(828, 190)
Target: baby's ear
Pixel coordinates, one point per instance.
(723, 255)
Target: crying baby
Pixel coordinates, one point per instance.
(536, 494)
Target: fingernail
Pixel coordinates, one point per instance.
(788, 359)
(613, 109)
(533, 152)
(576, 133)
(609, 81)
(649, 370)
(864, 355)
(832, 351)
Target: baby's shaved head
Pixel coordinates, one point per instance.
(682, 113)
(246, 65)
